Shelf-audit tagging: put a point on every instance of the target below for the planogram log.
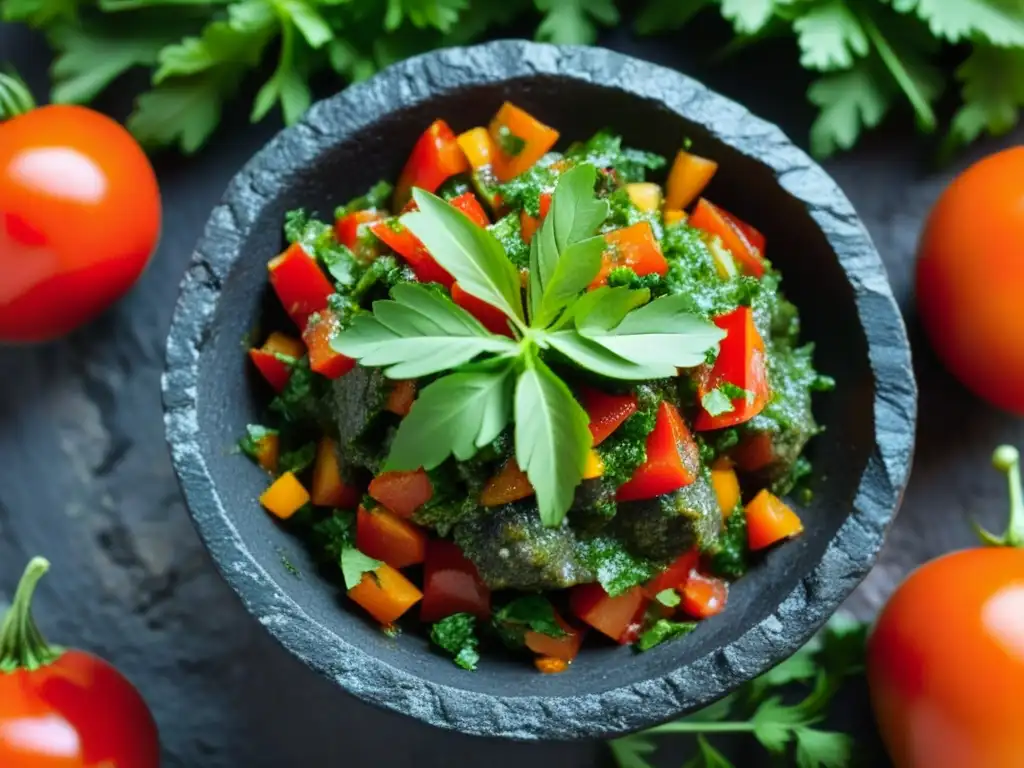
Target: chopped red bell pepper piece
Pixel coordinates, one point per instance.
(300, 284)
(451, 584)
(635, 247)
(350, 227)
(620, 617)
(268, 358)
(469, 205)
(531, 138)
(402, 492)
(734, 236)
(409, 247)
(675, 576)
(673, 459)
(740, 362)
(704, 596)
(323, 359)
(492, 318)
(435, 158)
(384, 536)
(607, 412)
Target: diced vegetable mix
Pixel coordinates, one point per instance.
(658, 527)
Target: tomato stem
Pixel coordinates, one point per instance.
(1007, 460)
(22, 645)
(15, 97)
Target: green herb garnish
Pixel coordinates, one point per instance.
(532, 612)
(663, 630)
(298, 460)
(457, 635)
(720, 399)
(508, 142)
(615, 332)
(354, 565)
(254, 435)
(668, 597)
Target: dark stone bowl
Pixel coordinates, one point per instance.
(831, 270)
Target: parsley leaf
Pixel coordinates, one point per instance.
(333, 535)
(850, 102)
(572, 22)
(456, 634)
(662, 630)
(993, 92)
(749, 16)
(716, 402)
(997, 22)
(830, 37)
(354, 565)
(665, 15)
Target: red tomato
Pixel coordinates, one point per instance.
(79, 219)
(452, 584)
(76, 711)
(946, 659)
(970, 279)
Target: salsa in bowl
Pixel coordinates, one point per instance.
(213, 392)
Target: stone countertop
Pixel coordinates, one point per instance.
(86, 479)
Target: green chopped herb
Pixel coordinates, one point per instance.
(668, 597)
(729, 556)
(298, 460)
(531, 612)
(354, 565)
(377, 197)
(508, 142)
(662, 630)
(255, 434)
(456, 634)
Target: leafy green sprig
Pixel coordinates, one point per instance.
(494, 380)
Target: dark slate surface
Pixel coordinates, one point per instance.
(86, 479)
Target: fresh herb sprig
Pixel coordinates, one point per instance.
(495, 380)
(759, 709)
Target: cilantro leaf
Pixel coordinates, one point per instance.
(749, 16)
(354, 565)
(592, 356)
(665, 15)
(439, 14)
(822, 749)
(298, 460)
(254, 435)
(631, 751)
(531, 612)
(333, 535)
(716, 402)
(572, 22)
(455, 415)
(456, 634)
(997, 22)
(830, 36)
(470, 253)
(552, 436)
(417, 333)
(993, 93)
(662, 630)
(849, 102)
(183, 111)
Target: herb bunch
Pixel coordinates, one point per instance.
(493, 380)
(869, 55)
(790, 732)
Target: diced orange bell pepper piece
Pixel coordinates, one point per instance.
(409, 247)
(300, 284)
(769, 521)
(620, 618)
(514, 125)
(323, 359)
(741, 362)
(704, 596)
(687, 179)
(267, 358)
(716, 221)
(329, 490)
(350, 227)
(268, 451)
(727, 487)
(451, 584)
(607, 412)
(510, 484)
(384, 536)
(564, 648)
(478, 147)
(755, 452)
(285, 497)
(385, 594)
(435, 158)
(674, 217)
(492, 318)
(645, 195)
(635, 247)
(469, 205)
(550, 666)
(402, 492)
(401, 397)
(673, 459)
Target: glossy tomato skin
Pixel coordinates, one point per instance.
(79, 219)
(78, 712)
(970, 279)
(946, 663)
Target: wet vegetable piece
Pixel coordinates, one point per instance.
(687, 179)
(402, 492)
(384, 536)
(951, 699)
(65, 707)
(79, 215)
(451, 584)
(276, 358)
(736, 388)
(521, 140)
(769, 521)
(435, 159)
(970, 279)
(618, 617)
(300, 284)
(672, 459)
(322, 358)
(385, 594)
(636, 516)
(733, 234)
(634, 247)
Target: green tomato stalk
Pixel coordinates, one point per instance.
(22, 645)
(15, 97)
(1007, 460)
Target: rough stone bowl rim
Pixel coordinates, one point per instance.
(846, 561)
